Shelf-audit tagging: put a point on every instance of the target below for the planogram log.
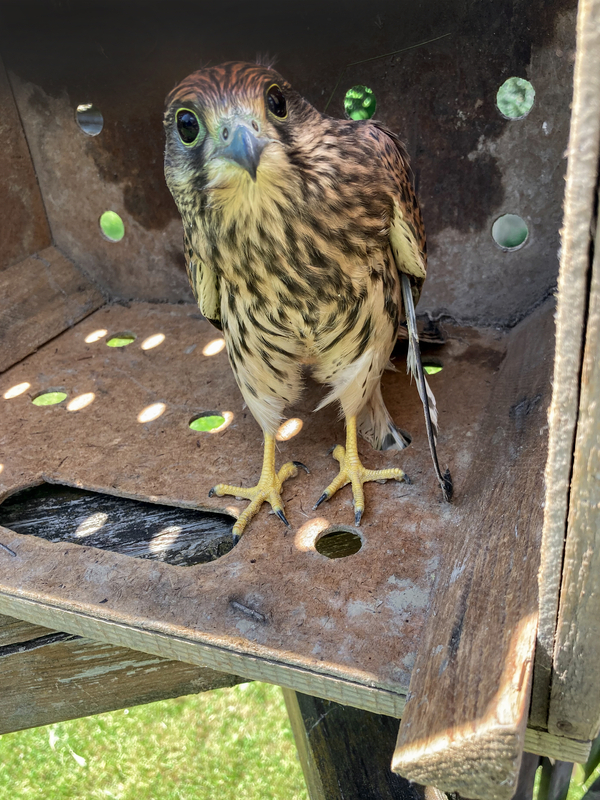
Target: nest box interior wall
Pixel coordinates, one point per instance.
(471, 164)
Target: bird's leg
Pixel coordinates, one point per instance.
(268, 488)
(352, 471)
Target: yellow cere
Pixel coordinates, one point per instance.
(153, 341)
(95, 336)
(214, 347)
(15, 391)
(151, 412)
(83, 400)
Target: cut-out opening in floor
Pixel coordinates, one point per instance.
(210, 421)
(510, 232)
(339, 542)
(112, 226)
(515, 98)
(178, 536)
(89, 118)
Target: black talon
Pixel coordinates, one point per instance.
(320, 500)
(407, 480)
(212, 492)
(235, 538)
(300, 464)
(357, 516)
(281, 516)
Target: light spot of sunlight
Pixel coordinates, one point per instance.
(307, 534)
(95, 336)
(15, 391)
(91, 524)
(288, 429)
(83, 400)
(151, 412)
(153, 341)
(214, 347)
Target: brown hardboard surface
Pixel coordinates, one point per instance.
(463, 728)
(274, 597)
(471, 163)
(40, 297)
(24, 228)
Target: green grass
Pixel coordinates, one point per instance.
(228, 744)
(49, 398)
(207, 423)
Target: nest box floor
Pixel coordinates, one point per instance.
(273, 607)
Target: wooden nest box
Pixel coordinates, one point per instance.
(475, 622)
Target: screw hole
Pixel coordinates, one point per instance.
(89, 118)
(510, 231)
(338, 542)
(515, 98)
(360, 103)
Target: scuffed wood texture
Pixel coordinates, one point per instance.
(39, 298)
(50, 676)
(575, 700)
(273, 608)
(572, 302)
(345, 752)
(464, 724)
(24, 228)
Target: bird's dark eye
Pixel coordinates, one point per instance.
(276, 101)
(188, 126)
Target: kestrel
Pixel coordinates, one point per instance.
(304, 244)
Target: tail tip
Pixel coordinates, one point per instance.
(447, 486)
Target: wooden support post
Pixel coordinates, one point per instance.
(345, 752)
(464, 724)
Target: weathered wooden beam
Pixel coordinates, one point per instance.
(572, 304)
(463, 728)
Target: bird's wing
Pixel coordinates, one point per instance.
(204, 284)
(408, 245)
(407, 232)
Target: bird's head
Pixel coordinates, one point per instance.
(228, 133)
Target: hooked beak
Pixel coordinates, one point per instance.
(244, 147)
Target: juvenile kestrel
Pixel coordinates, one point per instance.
(304, 243)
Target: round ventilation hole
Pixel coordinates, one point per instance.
(89, 118)
(209, 421)
(338, 542)
(121, 339)
(510, 231)
(50, 397)
(360, 103)
(112, 226)
(515, 98)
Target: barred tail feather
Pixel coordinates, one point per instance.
(415, 367)
(377, 427)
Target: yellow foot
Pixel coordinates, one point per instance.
(352, 471)
(267, 489)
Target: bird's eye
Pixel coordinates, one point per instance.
(188, 126)
(276, 101)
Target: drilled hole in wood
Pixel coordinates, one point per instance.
(112, 226)
(49, 397)
(178, 536)
(510, 232)
(89, 118)
(338, 542)
(360, 103)
(211, 421)
(515, 98)
(431, 366)
(121, 339)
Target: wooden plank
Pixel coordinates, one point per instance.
(39, 298)
(346, 753)
(559, 747)
(24, 229)
(52, 682)
(466, 714)
(570, 323)
(575, 700)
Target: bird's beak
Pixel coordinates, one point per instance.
(244, 147)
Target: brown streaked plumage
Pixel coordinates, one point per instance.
(297, 231)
